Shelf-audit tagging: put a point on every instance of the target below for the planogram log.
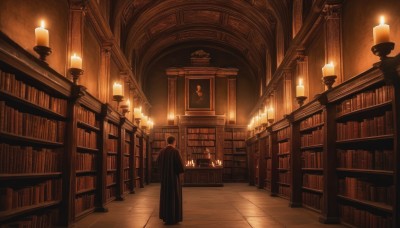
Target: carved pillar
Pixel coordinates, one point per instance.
(333, 38)
(171, 99)
(287, 92)
(302, 71)
(104, 82)
(297, 16)
(231, 115)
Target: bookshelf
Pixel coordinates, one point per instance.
(145, 159)
(128, 184)
(87, 158)
(365, 156)
(138, 160)
(158, 141)
(267, 161)
(283, 153)
(198, 139)
(33, 123)
(235, 156)
(113, 154)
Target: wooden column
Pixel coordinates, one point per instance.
(287, 92)
(171, 99)
(76, 23)
(333, 38)
(302, 70)
(295, 164)
(231, 114)
(120, 160)
(104, 82)
(274, 162)
(297, 16)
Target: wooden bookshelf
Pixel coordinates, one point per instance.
(198, 140)
(128, 171)
(235, 156)
(114, 168)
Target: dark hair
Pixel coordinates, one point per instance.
(171, 139)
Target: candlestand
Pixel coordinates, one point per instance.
(300, 100)
(43, 52)
(76, 73)
(329, 80)
(382, 49)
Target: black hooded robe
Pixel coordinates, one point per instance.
(170, 166)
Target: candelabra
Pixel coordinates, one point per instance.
(76, 73)
(43, 52)
(382, 49)
(329, 80)
(125, 109)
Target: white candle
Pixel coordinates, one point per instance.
(42, 35)
(117, 89)
(300, 89)
(381, 32)
(144, 120)
(76, 61)
(171, 116)
(270, 113)
(137, 112)
(328, 70)
(128, 103)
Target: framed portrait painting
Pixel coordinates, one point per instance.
(199, 97)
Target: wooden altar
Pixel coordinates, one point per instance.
(203, 177)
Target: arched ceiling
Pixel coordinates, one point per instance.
(149, 28)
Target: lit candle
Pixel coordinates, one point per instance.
(270, 113)
(144, 120)
(128, 103)
(300, 88)
(117, 89)
(171, 116)
(42, 35)
(381, 32)
(137, 112)
(231, 115)
(76, 61)
(328, 70)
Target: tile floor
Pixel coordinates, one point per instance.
(235, 205)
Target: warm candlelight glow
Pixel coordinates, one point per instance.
(300, 88)
(76, 61)
(137, 113)
(231, 115)
(171, 116)
(270, 113)
(144, 120)
(381, 32)
(117, 89)
(128, 103)
(42, 35)
(328, 70)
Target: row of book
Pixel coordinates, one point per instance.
(85, 183)
(311, 159)
(25, 124)
(378, 125)
(313, 181)
(284, 133)
(285, 178)
(84, 202)
(201, 136)
(312, 200)
(284, 148)
(47, 218)
(312, 121)
(111, 192)
(111, 178)
(128, 136)
(127, 174)
(111, 162)
(112, 129)
(126, 162)
(200, 143)
(315, 138)
(366, 190)
(361, 218)
(235, 135)
(9, 84)
(86, 138)
(112, 145)
(284, 162)
(18, 159)
(85, 162)
(87, 116)
(284, 191)
(234, 144)
(366, 159)
(159, 144)
(201, 130)
(366, 99)
(127, 147)
(47, 191)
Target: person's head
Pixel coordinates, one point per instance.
(171, 140)
(198, 87)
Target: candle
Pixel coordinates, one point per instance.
(144, 120)
(328, 70)
(171, 116)
(128, 103)
(270, 113)
(381, 32)
(300, 88)
(137, 112)
(42, 35)
(231, 115)
(117, 89)
(76, 61)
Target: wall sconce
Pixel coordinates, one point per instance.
(328, 75)
(42, 42)
(270, 115)
(126, 108)
(117, 93)
(137, 113)
(300, 97)
(76, 67)
(382, 45)
(171, 118)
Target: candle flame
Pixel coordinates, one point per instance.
(42, 23)
(74, 55)
(300, 81)
(382, 19)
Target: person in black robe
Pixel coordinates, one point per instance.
(171, 166)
